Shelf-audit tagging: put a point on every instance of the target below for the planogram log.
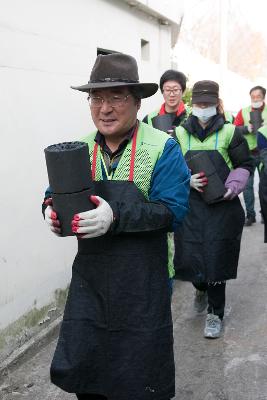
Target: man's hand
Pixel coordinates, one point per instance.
(51, 218)
(93, 223)
(197, 181)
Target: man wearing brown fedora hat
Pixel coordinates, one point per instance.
(116, 338)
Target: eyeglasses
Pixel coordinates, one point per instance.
(113, 101)
(175, 92)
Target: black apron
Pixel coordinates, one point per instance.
(263, 199)
(116, 337)
(207, 245)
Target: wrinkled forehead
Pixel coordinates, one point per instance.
(110, 91)
(256, 94)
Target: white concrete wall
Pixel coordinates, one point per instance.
(46, 46)
(170, 9)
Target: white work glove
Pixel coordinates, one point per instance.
(93, 223)
(51, 218)
(197, 181)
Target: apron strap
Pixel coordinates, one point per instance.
(133, 152)
(216, 140)
(94, 161)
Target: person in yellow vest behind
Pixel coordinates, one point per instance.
(227, 114)
(173, 111)
(243, 118)
(207, 244)
(166, 118)
(116, 338)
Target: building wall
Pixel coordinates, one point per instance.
(169, 9)
(46, 46)
(234, 89)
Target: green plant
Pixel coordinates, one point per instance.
(187, 96)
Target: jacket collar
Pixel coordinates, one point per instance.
(180, 110)
(192, 126)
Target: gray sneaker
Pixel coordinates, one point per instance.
(200, 301)
(213, 326)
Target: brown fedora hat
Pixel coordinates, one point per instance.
(114, 70)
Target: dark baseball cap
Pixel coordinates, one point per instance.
(205, 92)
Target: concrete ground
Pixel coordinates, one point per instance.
(233, 367)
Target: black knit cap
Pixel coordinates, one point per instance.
(173, 75)
(205, 92)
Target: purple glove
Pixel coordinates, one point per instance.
(236, 183)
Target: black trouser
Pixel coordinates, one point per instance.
(90, 397)
(216, 296)
(248, 192)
